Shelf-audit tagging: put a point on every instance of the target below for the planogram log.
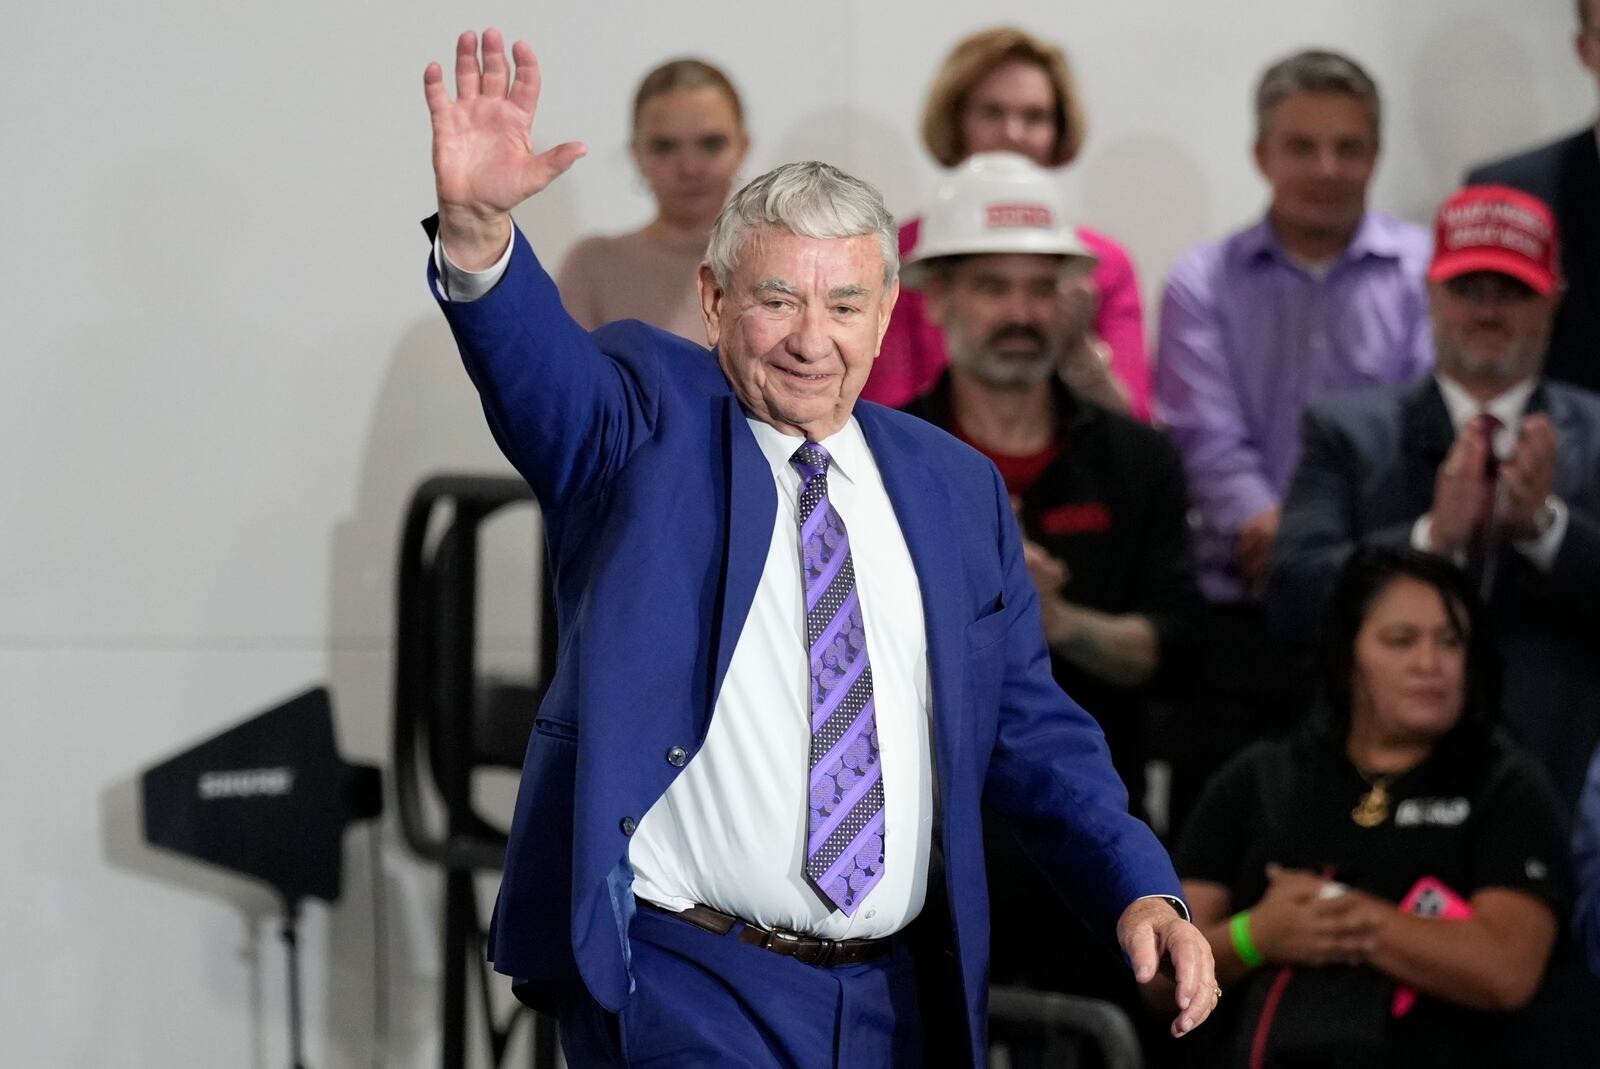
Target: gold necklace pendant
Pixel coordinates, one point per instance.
(1373, 808)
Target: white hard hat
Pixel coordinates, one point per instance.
(994, 202)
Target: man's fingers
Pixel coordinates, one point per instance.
(496, 75)
(525, 89)
(433, 88)
(467, 72)
(1195, 974)
(1142, 953)
(553, 163)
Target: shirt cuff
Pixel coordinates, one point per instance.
(1542, 549)
(1422, 539)
(1178, 904)
(458, 285)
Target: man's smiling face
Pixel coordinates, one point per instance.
(799, 325)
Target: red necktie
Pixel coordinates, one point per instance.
(1484, 426)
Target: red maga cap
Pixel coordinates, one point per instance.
(1496, 228)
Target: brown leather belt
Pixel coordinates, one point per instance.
(808, 949)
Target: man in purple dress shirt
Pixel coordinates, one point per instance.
(1320, 295)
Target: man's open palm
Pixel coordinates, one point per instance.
(483, 159)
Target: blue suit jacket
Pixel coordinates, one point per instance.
(659, 507)
(1366, 472)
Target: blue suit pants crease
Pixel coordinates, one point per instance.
(704, 1000)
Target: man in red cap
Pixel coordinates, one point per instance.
(1484, 462)
(1491, 464)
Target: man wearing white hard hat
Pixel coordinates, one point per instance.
(1101, 498)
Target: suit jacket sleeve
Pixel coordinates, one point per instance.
(1575, 573)
(1050, 774)
(1317, 532)
(566, 413)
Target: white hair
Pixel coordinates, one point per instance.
(811, 199)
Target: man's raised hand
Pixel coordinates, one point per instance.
(483, 159)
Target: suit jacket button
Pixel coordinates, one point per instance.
(677, 757)
(628, 824)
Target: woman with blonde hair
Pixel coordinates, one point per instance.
(1004, 90)
(689, 142)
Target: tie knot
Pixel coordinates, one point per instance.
(1486, 423)
(811, 460)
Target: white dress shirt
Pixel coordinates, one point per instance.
(730, 832)
(1508, 408)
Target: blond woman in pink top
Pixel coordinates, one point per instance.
(689, 142)
(1006, 90)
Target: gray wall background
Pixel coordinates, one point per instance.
(224, 373)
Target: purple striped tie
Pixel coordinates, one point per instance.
(844, 842)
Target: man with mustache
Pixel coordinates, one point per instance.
(1100, 496)
(1489, 463)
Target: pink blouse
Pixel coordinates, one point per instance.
(914, 355)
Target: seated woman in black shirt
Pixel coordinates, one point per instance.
(1383, 886)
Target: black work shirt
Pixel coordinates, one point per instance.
(1113, 507)
(1471, 817)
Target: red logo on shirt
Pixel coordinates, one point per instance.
(1089, 517)
(1011, 215)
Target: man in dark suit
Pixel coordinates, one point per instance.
(1489, 463)
(1565, 174)
(1486, 462)
(798, 645)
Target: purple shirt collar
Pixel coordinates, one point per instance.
(1372, 238)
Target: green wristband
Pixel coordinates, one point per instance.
(1243, 944)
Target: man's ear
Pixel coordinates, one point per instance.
(712, 299)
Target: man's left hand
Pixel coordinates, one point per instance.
(1154, 938)
(1529, 476)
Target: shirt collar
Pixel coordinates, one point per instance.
(1372, 238)
(1508, 407)
(847, 448)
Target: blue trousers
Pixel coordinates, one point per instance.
(704, 1000)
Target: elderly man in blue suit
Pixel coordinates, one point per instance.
(798, 645)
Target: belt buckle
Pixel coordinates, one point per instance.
(810, 949)
(771, 935)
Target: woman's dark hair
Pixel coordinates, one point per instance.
(1367, 574)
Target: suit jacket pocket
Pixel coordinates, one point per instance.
(988, 629)
(555, 729)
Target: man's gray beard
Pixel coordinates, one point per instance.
(1006, 373)
(1507, 368)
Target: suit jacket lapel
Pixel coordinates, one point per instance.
(1570, 461)
(1426, 436)
(752, 508)
(922, 505)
